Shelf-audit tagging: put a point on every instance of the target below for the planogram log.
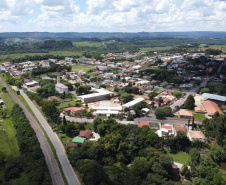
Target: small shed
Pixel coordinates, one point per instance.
(78, 140)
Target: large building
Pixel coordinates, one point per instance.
(61, 88)
(211, 107)
(214, 97)
(100, 95)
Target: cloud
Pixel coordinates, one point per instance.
(115, 15)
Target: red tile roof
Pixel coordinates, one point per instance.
(141, 124)
(168, 127)
(180, 128)
(85, 133)
(211, 107)
(185, 113)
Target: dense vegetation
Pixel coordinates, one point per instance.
(31, 160)
(127, 154)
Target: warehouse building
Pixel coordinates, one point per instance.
(100, 95)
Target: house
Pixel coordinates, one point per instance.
(61, 88)
(78, 140)
(73, 110)
(185, 114)
(211, 107)
(154, 126)
(196, 135)
(165, 130)
(164, 83)
(133, 102)
(199, 110)
(179, 128)
(141, 124)
(85, 134)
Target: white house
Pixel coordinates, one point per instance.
(61, 88)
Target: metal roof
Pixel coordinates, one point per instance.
(78, 140)
(214, 97)
(134, 102)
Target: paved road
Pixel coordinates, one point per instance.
(67, 168)
(47, 151)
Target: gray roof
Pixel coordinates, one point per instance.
(214, 97)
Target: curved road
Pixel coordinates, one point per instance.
(67, 168)
(47, 151)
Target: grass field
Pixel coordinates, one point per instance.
(89, 126)
(179, 157)
(217, 46)
(66, 104)
(155, 48)
(76, 68)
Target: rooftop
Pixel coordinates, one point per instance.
(141, 124)
(78, 140)
(180, 128)
(214, 97)
(211, 107)
(185, 113)
(196, 134)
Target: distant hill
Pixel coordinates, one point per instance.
(104, 35)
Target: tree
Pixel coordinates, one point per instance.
(205, 90)
(152, 94)
(167, 110)
(159, 113)
(195, 156)
(64, 121)
(18, 83)
(4, 89)
(125, 97)
(190, 102)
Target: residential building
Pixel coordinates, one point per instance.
(196, 135)
(185, 114)
(85, 134)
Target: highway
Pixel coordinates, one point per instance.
(67, 168)
(47, 151)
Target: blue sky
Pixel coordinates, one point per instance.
(112, 15)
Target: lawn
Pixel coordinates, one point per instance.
(217, 46)
(66, 104)
(179, 157)
(6, 98)
(76, 68)
(158, 91)
(64, 138)
(199, 116)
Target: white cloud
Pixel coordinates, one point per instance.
(116, 15)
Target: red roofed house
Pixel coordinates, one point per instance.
(61, 88)
(211, 107)
(199, 110)
(165, 130)
(73, 110)
(141, 124)
(185, 114)
(179, 128)
(85, 133)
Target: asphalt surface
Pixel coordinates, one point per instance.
(46, 149)
(67, 168)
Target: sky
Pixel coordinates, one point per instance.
(112, 15)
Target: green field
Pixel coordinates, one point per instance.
(155, 48)
(179, 157)
(217, 46)
(66, 104)
(76, 68)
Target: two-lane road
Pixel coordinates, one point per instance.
(67, 168)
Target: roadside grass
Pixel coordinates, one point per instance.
(175, 116)
(155, 48)
(66, 104)
(76, 68)
(179, 157)
(198, 116)
(73, 96)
